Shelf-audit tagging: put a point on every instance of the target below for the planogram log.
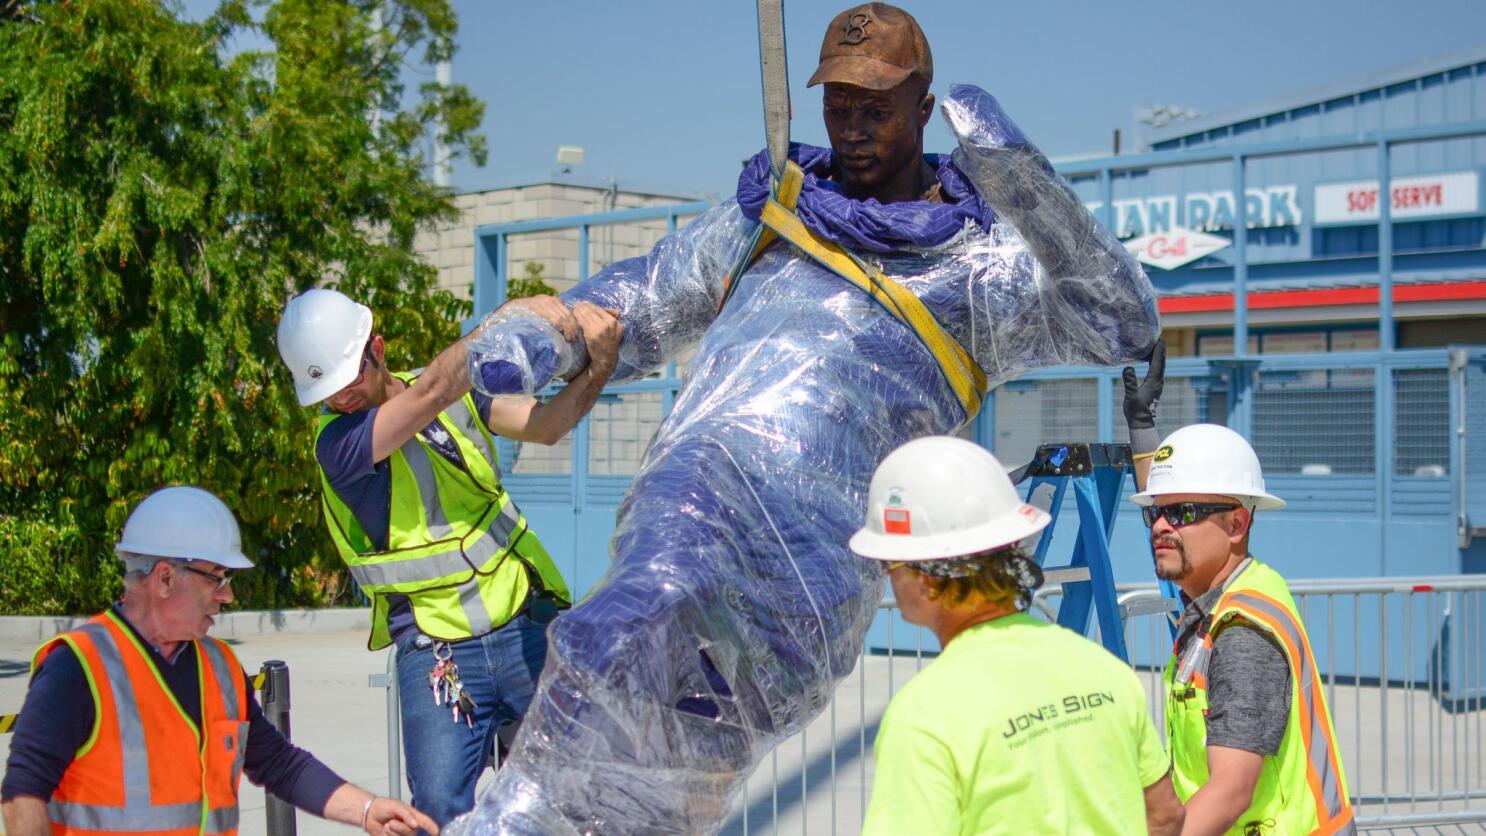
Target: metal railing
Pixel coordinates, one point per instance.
(1401, 662)
(1407, 705)
(272, 680)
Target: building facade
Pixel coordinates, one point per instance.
(1312, 217)
(551, 255)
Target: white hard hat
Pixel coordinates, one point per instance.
(184, 523)
(1207, 458)
(941, 497)
(321, 336)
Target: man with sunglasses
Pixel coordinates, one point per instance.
(1252, 744)
(136, 721)
(413, 501)
(988, 737)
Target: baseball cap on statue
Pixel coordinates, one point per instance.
(875, 46)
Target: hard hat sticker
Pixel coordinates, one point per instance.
(896, 521)
(1164, 453)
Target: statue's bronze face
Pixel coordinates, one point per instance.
(877, 139)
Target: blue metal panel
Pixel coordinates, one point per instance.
(1338, 116)
(593, 529)
(1421, 496)
(607, 491)
(1240, 264)
(1456, 96)
(1402, 85)
(1473, 454)
(545, 489)
(596, 219)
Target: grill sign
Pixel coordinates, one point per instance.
(1427, 196)
(1170, 250)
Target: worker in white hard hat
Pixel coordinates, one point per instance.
(413, 500)
(1252, 744)
(137, 721)
(1019, 726)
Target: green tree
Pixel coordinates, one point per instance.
(531, 283)
(162, 193)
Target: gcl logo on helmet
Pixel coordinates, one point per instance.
(1164, 453)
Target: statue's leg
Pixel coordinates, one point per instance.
(722, 626)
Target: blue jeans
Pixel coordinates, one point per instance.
(444, 758)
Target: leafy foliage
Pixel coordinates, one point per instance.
(163, 192)
(531, 283)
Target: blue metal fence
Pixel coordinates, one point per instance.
(1373, 490)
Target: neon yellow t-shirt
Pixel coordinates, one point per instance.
(1019, 726)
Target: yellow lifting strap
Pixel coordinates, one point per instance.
(964, 375)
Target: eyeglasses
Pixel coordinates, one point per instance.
(1184, 513)
(366, 355)
(221, 580)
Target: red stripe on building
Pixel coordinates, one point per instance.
(1321, 296)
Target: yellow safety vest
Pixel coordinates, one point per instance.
(960, 370)
(1301, 788)
(450, 530)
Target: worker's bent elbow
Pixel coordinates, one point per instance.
(545, 436)
(550, 438)
(1164, 813)
(1166, 822)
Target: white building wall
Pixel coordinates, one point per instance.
(451, 248)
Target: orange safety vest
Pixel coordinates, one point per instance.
(146, 767)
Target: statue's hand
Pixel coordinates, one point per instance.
(978, 120)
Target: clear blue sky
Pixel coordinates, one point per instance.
(665, 93)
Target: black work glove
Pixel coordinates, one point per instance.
(1140, 400)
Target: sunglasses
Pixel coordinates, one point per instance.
(1184, 513)
(221, 580)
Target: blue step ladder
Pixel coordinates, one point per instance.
(1097, 473)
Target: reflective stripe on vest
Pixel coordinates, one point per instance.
(1320, 748)
(451, 527)
(222, 672)
(1300, 789)
(964, 376)
(443, 560)
(448, 561)
(139, 814)
(476, 433)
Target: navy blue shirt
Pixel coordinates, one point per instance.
(344, 451)
(58, 717)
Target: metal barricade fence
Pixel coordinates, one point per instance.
(1401, 665)
(272, 680)
(1401, 662)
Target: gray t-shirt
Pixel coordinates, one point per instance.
(1248, 681)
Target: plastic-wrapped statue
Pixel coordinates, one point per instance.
(732, 606)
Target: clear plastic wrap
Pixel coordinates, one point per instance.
(732, 606)
(519, 352)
